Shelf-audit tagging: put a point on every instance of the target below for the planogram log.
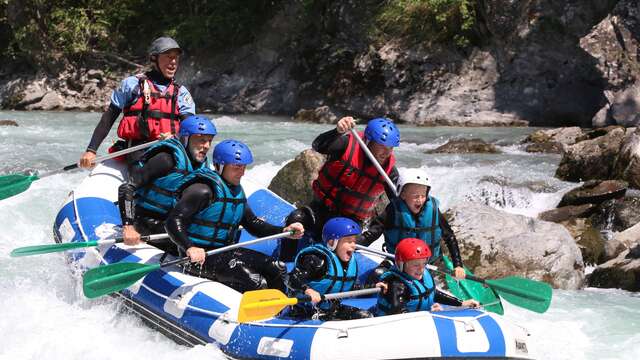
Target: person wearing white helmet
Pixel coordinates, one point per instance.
(415, 214)
(152, 104)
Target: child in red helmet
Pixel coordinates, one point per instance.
(407, 287)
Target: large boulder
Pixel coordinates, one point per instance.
(465, 146)
(564, 135)
(627, 165)
(567, 212)
(626, 213)
(623, 272)
(625, 109)
(589, 240)
(594, 192)
(592, 158)
(495, 244)
(293, 181)
(8, 123)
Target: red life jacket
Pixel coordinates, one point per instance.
(351, 185)
(147, 120)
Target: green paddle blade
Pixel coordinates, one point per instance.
(467, 289)
(111, 278)
(526, 293)
(15, 184)
(50, 248)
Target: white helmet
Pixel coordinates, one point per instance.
(412, 176)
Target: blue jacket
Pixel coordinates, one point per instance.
(404, 226)
(422, 291)
(160, 196)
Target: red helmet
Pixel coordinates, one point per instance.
(411, 249)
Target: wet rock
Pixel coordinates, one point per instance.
(497, 244)
(593, 156)
(627, 165)
(626, 213)
(563, 136)
(595, 192)
(567, 212)
(8, 123)
(320, 115)
(50, 101)
(547, 148)
(623, 272)
(465, 146)
(625, 109)
(293, 181)
(622, 241)
(589, 240)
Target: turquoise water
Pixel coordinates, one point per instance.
(44, 314)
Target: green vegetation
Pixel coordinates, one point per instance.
(431, 21)
(46, 31)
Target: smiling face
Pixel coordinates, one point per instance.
(415, 268)
(414, 195)
(346, 247)
(232, 173)
(168, 63)
(380, 152)
(199, 145)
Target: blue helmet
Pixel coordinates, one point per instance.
(337, 228)
(383, 131)
(196, 124)
(232, 152)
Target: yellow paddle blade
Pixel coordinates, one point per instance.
(262, 304)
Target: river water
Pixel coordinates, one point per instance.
(44, 315)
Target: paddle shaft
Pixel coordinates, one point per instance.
(227, 248)
(374, 161)
(101, 158)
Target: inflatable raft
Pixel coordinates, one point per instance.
(196, 311)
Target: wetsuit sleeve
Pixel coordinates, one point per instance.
(397, 296)
(451, 241)
(446, 299)
(104, 126)
(157, 166)
(393, 176)
(195, 198)
(377, 226)
(331, 143)
(309, 267)
(256, 226)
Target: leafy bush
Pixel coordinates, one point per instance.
(433, 21)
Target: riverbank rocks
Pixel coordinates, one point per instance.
(319, 115)
(567, 212)
(465, 146)
(592, 158)
(623, 272)
(626, 213)
(589, 239)
(8, 123)
(496, 244)
(627, 165)
(595, 192)
(293, 181)
(552, 140)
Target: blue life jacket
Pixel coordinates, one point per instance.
(422, 291)
(159, 197)
(337, 279)
(404, 226)
(217, 225)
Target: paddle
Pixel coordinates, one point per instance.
(374, 161)
(51, 248)
(263, 304)
(465, 290)
(529, 294)
(14, 184)
(110, 278)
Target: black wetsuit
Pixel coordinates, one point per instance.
(310, 267)
(109, 117)
(146, 222)
(332, 144)
(398, 295)
(242, 269)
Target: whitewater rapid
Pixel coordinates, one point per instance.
(44, 315)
